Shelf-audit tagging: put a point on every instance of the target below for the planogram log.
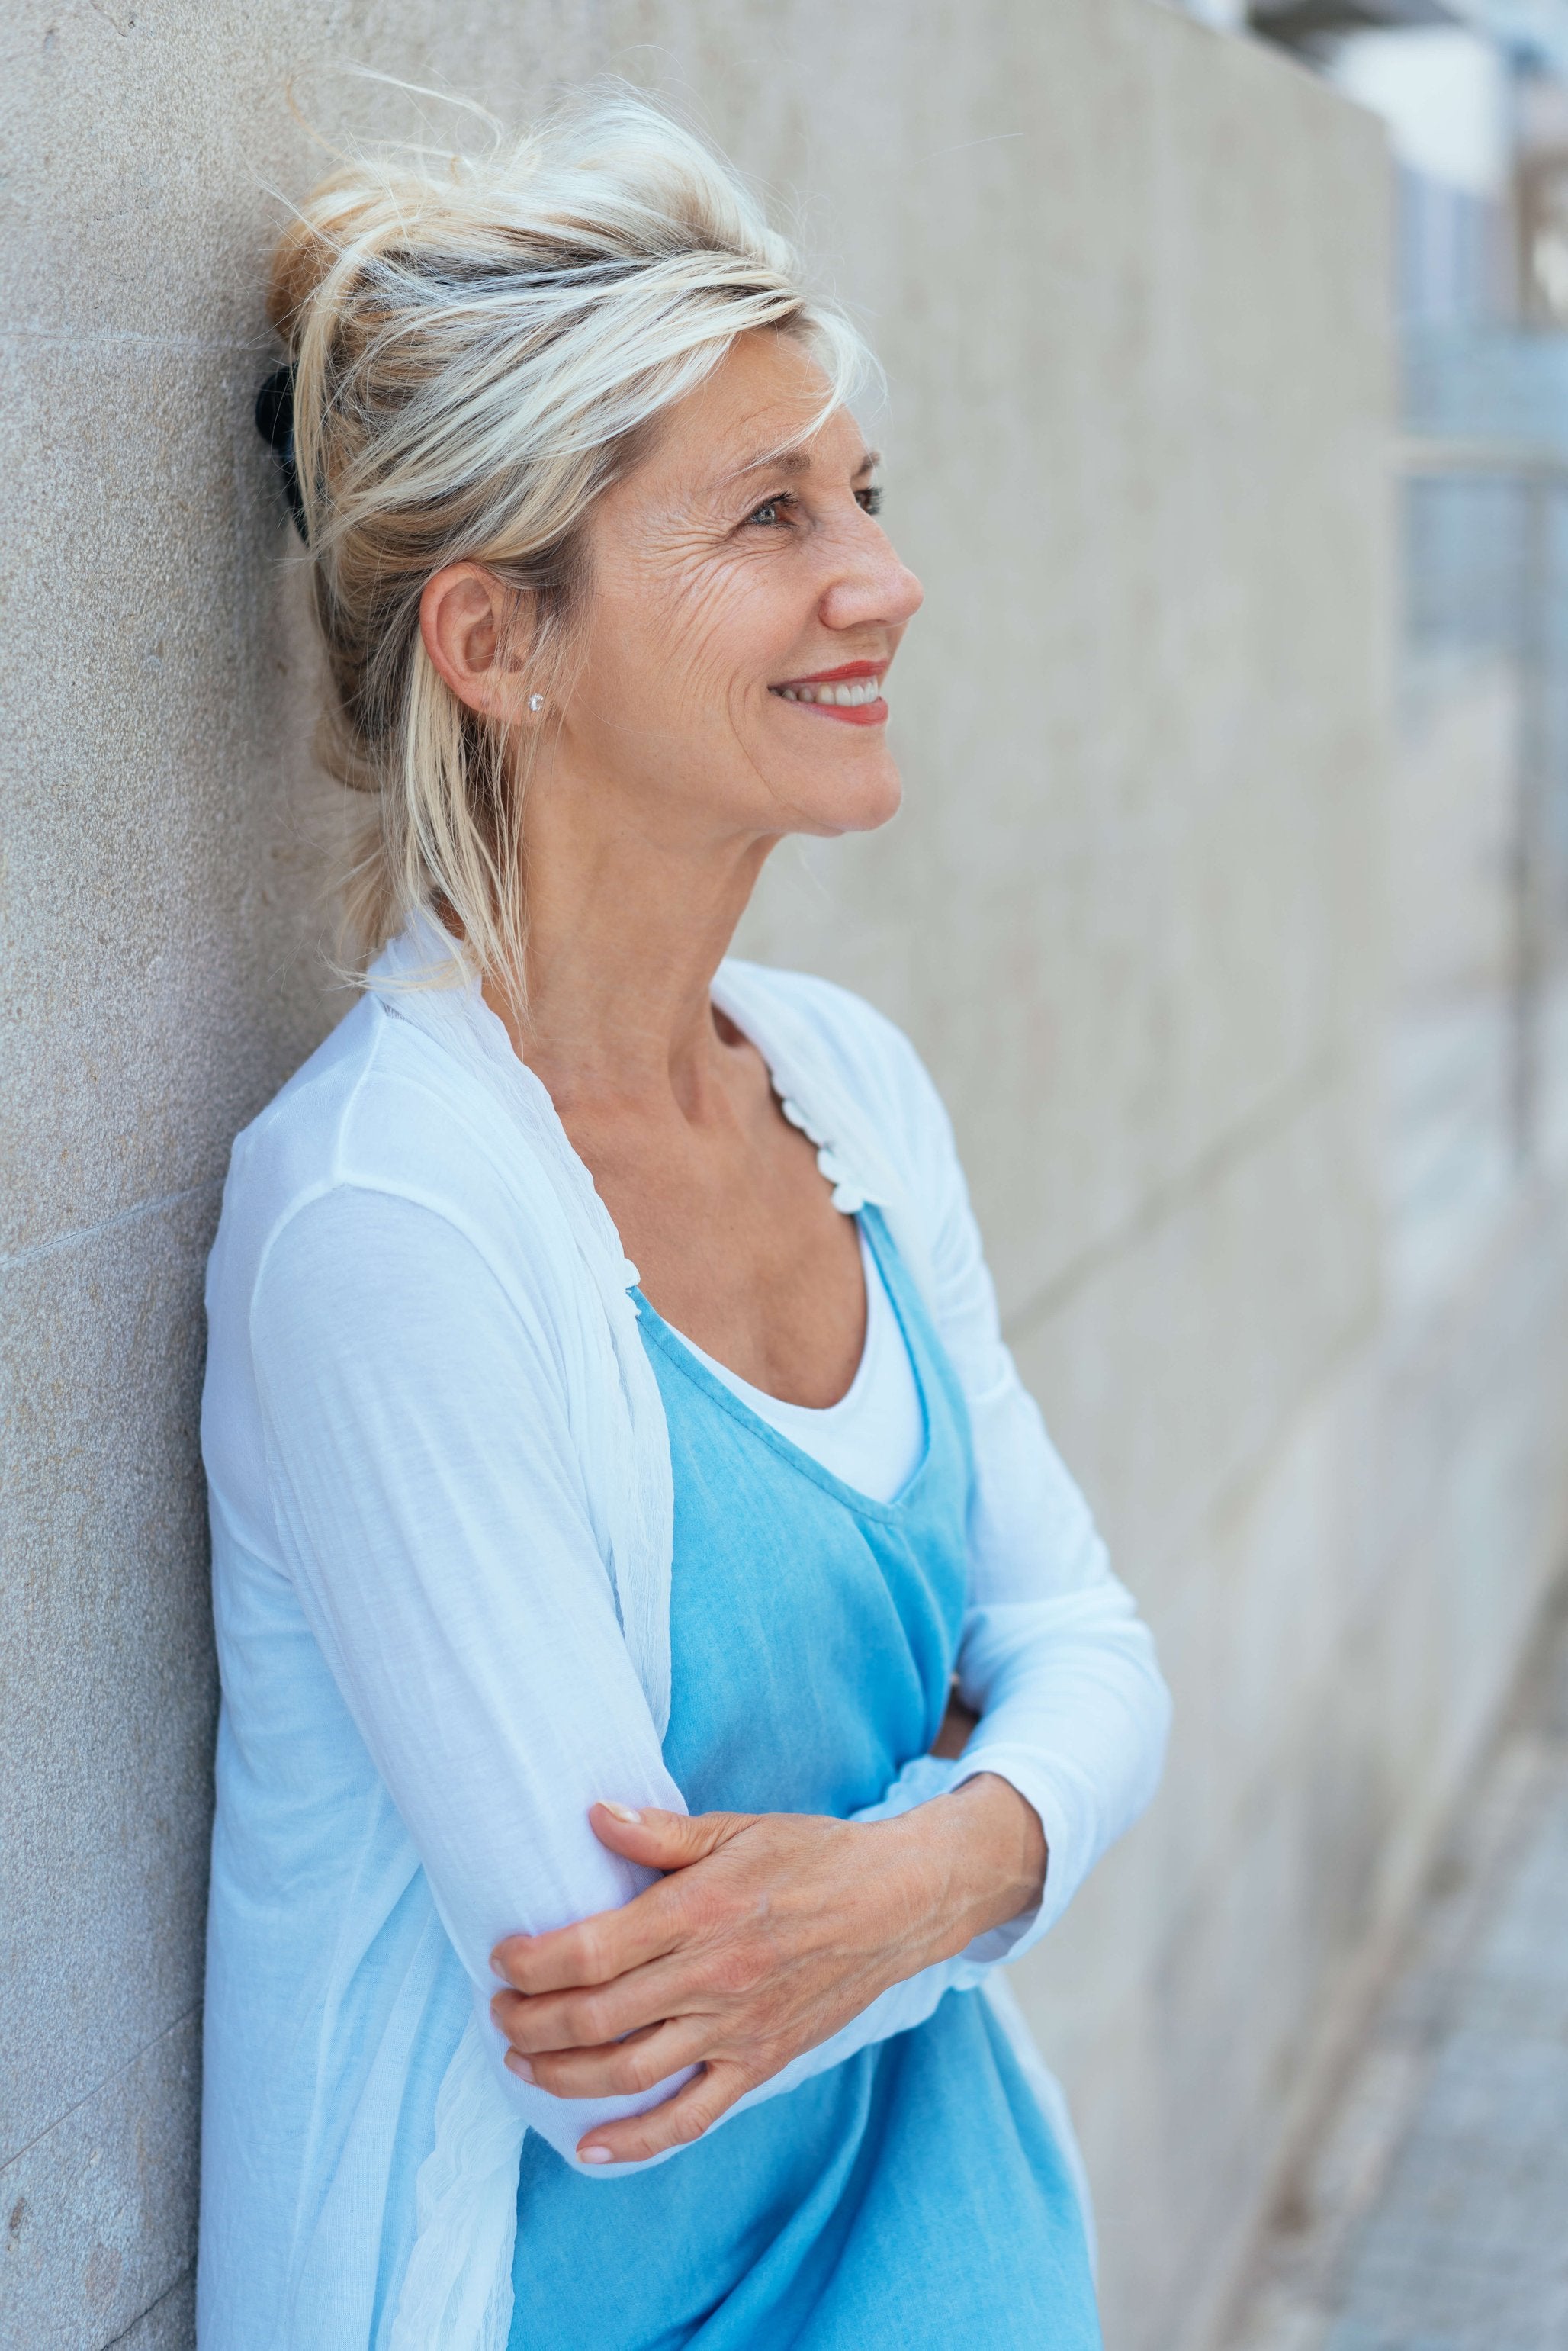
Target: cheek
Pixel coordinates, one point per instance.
(652, 652)
(707, 634)
(720, 641)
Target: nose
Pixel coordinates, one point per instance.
(871, 586)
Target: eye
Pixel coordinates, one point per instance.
(869, 500)
(774, 513)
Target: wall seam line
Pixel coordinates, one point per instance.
(113, 338)
(97, 2089)
(122, 1217)
(1166, 1200)
(127, 2332)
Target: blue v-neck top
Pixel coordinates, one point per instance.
(912, 2197)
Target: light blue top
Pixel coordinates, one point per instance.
(913, 2196)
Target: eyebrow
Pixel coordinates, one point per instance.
(799, 461)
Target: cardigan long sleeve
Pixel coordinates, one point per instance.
(1054, 1658)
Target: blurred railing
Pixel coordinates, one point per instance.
(1480, 1082)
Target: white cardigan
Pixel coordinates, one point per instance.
(441, 1507)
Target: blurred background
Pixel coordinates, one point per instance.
(1228, 426)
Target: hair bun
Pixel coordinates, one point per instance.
(274, 422)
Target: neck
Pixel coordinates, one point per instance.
(625, 936)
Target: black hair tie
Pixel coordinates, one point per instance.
(275, 422)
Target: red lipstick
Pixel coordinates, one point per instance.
(820, 692)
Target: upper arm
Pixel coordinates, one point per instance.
(1031, 1534)
(430, 1498)
(1054, 1656)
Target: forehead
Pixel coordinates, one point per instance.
(762, 406)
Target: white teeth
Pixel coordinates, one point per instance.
(842, 698)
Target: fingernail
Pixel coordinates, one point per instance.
(594, 2155)
(519, 2065)
(624, 1812)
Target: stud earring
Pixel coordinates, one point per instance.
(535, 703)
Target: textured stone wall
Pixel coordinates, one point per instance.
(1129, 280)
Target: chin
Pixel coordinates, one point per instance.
(832, 806)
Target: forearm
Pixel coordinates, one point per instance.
(978, 1888)
(767, 1936)
(974, 1860)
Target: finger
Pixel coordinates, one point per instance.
(619, 2068)
(677, 2123)
(589, 2014)
(611, 1942)
(663, 1840)
(594, 1950)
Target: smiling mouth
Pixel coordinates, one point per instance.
(835, 696)
(853, 693)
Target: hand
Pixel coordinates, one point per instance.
(771, 1931)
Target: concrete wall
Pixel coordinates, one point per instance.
(1130, 282)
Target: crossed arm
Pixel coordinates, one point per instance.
(769, 1933)
(414, 1421)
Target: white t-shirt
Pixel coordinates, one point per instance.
(873, 1437)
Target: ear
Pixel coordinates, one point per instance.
(476, 639)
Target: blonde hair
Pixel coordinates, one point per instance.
(479, 348)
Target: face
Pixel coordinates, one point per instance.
(745, 607)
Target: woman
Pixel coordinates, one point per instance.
(613, 1454)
